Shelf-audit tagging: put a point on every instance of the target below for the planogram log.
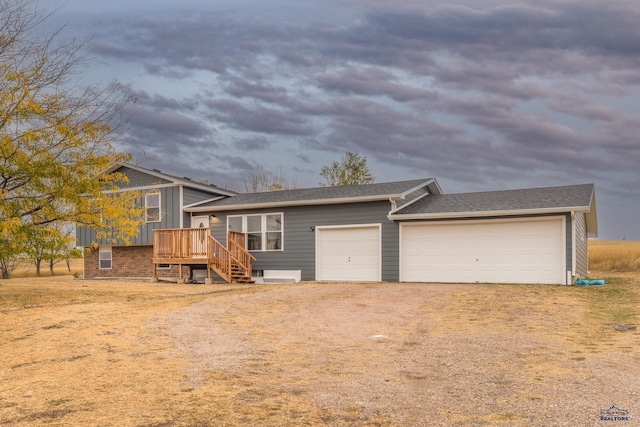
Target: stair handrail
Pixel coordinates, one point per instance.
(220, 257)
(242, 257)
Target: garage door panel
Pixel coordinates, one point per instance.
(528, 251)
(348, 253)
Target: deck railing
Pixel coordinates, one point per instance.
(236, 243)
(181, 243)
(185, 245)
(220, 258)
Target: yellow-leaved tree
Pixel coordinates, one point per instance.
(56, 139)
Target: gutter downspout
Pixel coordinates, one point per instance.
(393, 204)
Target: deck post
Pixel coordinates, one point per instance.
(181, 280)
(154, 278)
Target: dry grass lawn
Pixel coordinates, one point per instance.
(108, 353)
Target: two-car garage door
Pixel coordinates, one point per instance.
(491, 251)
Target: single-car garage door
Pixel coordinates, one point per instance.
(350, 253)
(487, 251)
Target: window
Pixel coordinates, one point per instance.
(264, 231)
(273, 235)
(235, 223)
(254, 232)
(152, 207)
(104, 258)
(163, 266)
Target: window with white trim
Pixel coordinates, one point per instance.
(264, 231)
(105, 258)
(152, 207)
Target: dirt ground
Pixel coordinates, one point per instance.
(103, 353)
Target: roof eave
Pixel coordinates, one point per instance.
(291, 203)
(476, 214)
(174, 180)
(192, 205)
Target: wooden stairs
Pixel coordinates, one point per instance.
(196, 246)
(239, 275)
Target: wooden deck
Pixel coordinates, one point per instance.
(196, 246)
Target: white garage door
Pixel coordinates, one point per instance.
(516, 251)
(348, 253)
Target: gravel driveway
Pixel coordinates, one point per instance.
(415, 354)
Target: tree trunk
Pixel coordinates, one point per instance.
(51, 266)
(37, 261)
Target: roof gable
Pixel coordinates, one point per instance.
(577, 198)
(142, 177)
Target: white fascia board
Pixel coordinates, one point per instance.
(410, 203)
(417, 187)
(204, 201)
(402, 196)
(336, 201)
(400, 217)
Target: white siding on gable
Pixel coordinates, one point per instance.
(582, 245)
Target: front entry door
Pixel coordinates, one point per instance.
(199, 238)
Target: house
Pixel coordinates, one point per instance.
(406, 231)
(164, 197)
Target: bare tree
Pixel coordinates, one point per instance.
(261, 180)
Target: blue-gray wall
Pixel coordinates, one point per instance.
(299, 241)
(139, 179)
(299, 251)
(192, 196)
(169, 206)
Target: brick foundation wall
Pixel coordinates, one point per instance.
(131, 261)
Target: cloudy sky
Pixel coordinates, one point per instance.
(481, 95)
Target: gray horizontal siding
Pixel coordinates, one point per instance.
(192, 196)
(139, 179)
(299, 241)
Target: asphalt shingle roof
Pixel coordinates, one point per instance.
(570, 196)
(381, 190)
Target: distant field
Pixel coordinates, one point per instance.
(614, 256)
(59, 269)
